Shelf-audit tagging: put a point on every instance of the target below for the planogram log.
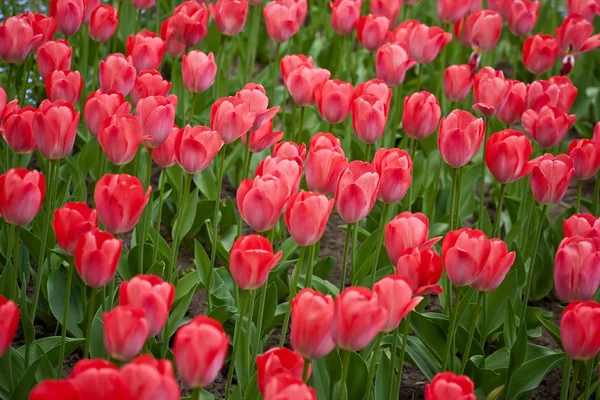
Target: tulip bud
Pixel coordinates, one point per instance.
(550, 177)
(69, 15)
(586, 158)
(421, 115)
(344, 16)
(156, 115)
(9, 322)
(64, 85)
(125, 332)
(200, 349)
(195, 148)
(356, 191)
(387, 8)
(446, 385)
(199, 71)
(164, 155)
(18, 39)
(394, 168)
(465, 253)
(495, 268)
(306, 217)
(302, 81)
(275, 362)
(17, 130)
(53, 56)
(100, 106)
(41, 24)
(522, 16)
(391, 64)
(255, 97)
(149, 83)
(229, 15)
(333, 99)
(407, 231)
(482, 30)
(450, 11)
(283, 19)
(490, 91)
(90, 377)
(459, 137)
(117, 73)
(377, 88)
(55, 127)
(146, 378)
(425, 43)
(579, 327)
(104, 22)
(289, 171)
(457, 82)
(287, 387)
(312, 315)
(120, 137)
(54, 390)
(143, 4)
(291, 62)
(372, 31)
(395, 296)
(422, 269)
(539, 53)
(325, 163)
(266, 194)
(173, 47)
(289, 150)
(250, 261)
(262, 138)
(369, 116)
(577, 268)
(146, 50)
(21, 195)
(583, 224)
(548, 127)
(231, 117)
(96, 257)
(507, 154)
(71, 221)
(190, 22)
(586, 8)
(514, 106)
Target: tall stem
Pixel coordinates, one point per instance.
(61, 354)
(345, 367)
(471, 332)
(162, 178)
(245, 171)
(293, 288)
(274, 74)
(451, 330)
(96, 65)
(597, 198)
(294, 112)
(255, 12)
(419, 76)
(191, 112)
(574, 381)
(236, 339)
(305, 370)
(137, 22)
(484, 333)
(402, 353)
(260, 317)
(8, 84)
(349, 229)
(579, 192)
(372, 366)
(88, 331)
(353, 259)
(185, 188)
(496, 228)
(9, 254)
(145, 215)
(588, 379)
(380, 235)
(221, 66)
(299, 134)
(457, 220)
(27, 66)
(413, 149)
(310, 265)
(482, 184)
(213, 251)
(453, 196)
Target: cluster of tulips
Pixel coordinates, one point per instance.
(377, 165)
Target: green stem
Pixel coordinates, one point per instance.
(157, 17)
(8, 83)
(185, 188)
(353, 265)
(294, 112)
(96, 65)
(305, 370)
(236, 338)
(457, 220)
(245, 171)
(61, 354)
(579, 191)
(145, 215)
(88, 331)
(497, 220)
(213, 251)
(395, 117)
(162, 178)
(293, 288)
(574, 381)
(419, 76)
(349, 229)
(413, 149)
(345, 367)
(196, 392)
(482, 184)
(9, 253)
(15, 288)
(372, 366)
(402, 353)
(451, 330)
(249, 331)
(260, 317)
(453, 196)
(368, 152)
(299, 137)
(310, 265)
(274, 73)
(393, 351)
(588, 379)
(484, 323)
(137, 22)
(471, 332)
(27, 69)
(191, 112)
(255, 12)
(597, 198)
(384, 214)
(221, 66)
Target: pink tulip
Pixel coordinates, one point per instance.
(356, 191)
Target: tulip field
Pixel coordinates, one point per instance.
(299, 199)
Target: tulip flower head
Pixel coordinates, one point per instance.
(394, 167)
(125, 331)
(407, 231)
(465, 253)
(275, 362)
(421, 115)
(396, 297)
(584, 224)
(580, 329)
(577, 268)
(70, 222)
(550, 177)
(250, 261)
(9, 322)
(547, 127)
(446, 385)
(104, 22)
(96, 257)
(507, 155)
(585, 154)
(261, 200)
(190, 22)
(18, 39)
(422, 269)
(539, 53)
(356, 191)
(312, 316)
(460, 136)
(306, 217)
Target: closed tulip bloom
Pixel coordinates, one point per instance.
(396, 297)
(53, 56)
(146, 50)
(18, 39)
(580, 330)
(372, 31)
(548, 127)
(421, 115)
(96, 257)
(156, 115)
(262, 138)
(400, 35)
(41, 24)
(17, 130)
(288, 387)
(394, 167)
(568, 92)
(255, 97)
(69, 15)
(407, 231)
(260, 201)
(306, 217)
(117, 73)
(190, 22)
(391, 64)
(229, 15)
(325, 163)
(500, 6)
(302, 81)
(539, 53)
(71, 221)
(153, 295)
(584, 224)
(496, 267)
(550, 177)
(465, 253)
(198, 70)
(173, 47)
(482, 30)
(585, 154)
(458, 80)
(278, 361)
(425, 42)
(357, 319)
(450, 11)
(387, 8)
(250, 261)
(55, 127)
(120, 137)
(369, 116)
(333, 99)
(446, 385)
(557, 91)
(149, 83)
(54, 390)
(377, 88)
(356, 191)
(575, 37)
(195, 148)
(283, 19)
(200, 349)
(64, 85)
(422, 269)
(148, 378)
(104, 22)
(577, 268)
(459, 137)
(88, 7)
(125, 332)
(312, 315)
(586, 8)
(507, 155)
(231, 117)
(490, 91)
(344, 16)
(99, 106)
(514, 106)
(97, 379)
(164, 155)
(143, 4)
(290, 62)
(523, 16)
(21, 195)
(289, 150)
(9, 322)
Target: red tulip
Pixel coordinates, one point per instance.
(377, 88)
(512, 110)
(458, 80)
(357, 319)
(568, 92)
(465, 253)
(289, 150)
(98, 379)
(149, 83)
(450, 11)
(199, 71)
(344, 16)
(64, 85)
(459, 137)
(302, 81)
(482, 30)
(53, 56)
(574, 36)
(372, 31)
(586, 8)
(125, 332)
(391, 64)
(548, 127)
(262, 138)
(21, 195)
(195, 148)
(148, 378)
(89, 6)
(369, 116)
(9, 322)
(333, 99)
(3, 100)
(153, 295)
(117, 73)
(69, 15)
(173, 47)
(583, 224)
(289, 171)
(523, 16)
(400, 35)
(500, 6)
(41, 24)
(260, 201)
(356, 191)
(407, 231)
(586, 158)
(99, 106)
(421, 115)
(200, 349)
(324, 163)
(17, 39)
(104, 22)
(306, 217)
(422, 268)
(490, 91)
(229, 15)
(387, 8)
(284, 386)
(580, 330)
(120, 137)
(55, 127)
(255, 97)
(164, 155)
(143, 4)
(496, 267)
(550, 177)
(17, 130)
(156, 115)
(277, 361)
(283, 19)
(557, 91)
(394, 168)
(190, 22)
(54, 390)
(577, 268)
(231, 117)
(446, 386)
(312, 315)
(291, 62)
(96, 257)
(250, 261)
(539, 53)
(71, 221)
(146, 50)
(395, 296)
(507, 154)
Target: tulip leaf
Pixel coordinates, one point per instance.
(26, 383)
(518, 350)
(324, 267)
(357, 377)
(528, 376)
(206, 182)
(384, 377)
(552, 329)
(185, 218)
(88, 158)
(57, 287)
(185, 285)
(97, 349)
(174, 321)
(509, 327)
(252, 392)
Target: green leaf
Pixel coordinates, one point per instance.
(552, 329)
(357, 377)
(510, 327)
(252, 392)
(517, 352)
(270, 307)
(97, 349)
(57, 287)
(178, 313)
(383, 377)
(185, 285)
(26, 382)
(201, 261)
(432, 335)
(186, 218)
(133, 261)
(530, 374)
(324, 267)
